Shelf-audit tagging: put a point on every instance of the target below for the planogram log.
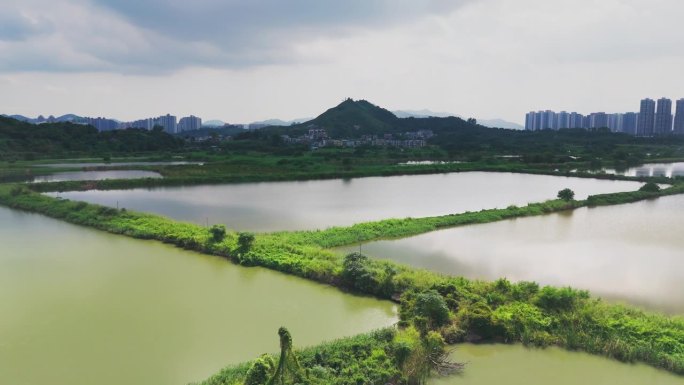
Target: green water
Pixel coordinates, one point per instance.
(517, 365)
(82, 307)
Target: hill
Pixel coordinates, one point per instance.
(352, 119)
(26, 141)
(355, 118)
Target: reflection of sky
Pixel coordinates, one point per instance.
(628, 252)
(656, 169)
(96, 175)
(114, 164)
(320, 204)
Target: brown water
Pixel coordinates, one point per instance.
(82, 307)
(632, 252)
(324, 203)
(517, 365)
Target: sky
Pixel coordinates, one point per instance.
(249, 60)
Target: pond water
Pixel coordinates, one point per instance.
(323, 203)
(116, 164)
(517, 365)
(81, 307)
(96, 175)
(631, 252)
(653, 169)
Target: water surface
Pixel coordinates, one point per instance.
(517, 365)
(96, 175)
(82, 307)
(324, 203)
(116, 164)
(631, 252)
(669, 170)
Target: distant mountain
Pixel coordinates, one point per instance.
(278, 122)
(213, 123)
(500, 123)
(422, 114)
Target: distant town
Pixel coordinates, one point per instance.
(653, 119)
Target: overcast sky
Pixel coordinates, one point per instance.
(241, 61)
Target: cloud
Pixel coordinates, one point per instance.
(134, 36)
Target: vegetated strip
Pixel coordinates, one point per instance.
(499, 311)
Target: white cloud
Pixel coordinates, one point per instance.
(242, 61)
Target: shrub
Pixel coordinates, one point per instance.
(566, 194)
(433, 308)
(650, 187)
(218, 232)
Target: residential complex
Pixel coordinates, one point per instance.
(652, 119)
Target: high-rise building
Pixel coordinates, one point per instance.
(189, 123)
(646, 122)
(529, 121)
(167, 122)
(615, 122)
(575, 120)
(548, 118)
(146, 124)
(629, 123)
(663, 118)
(679, 118)
(538, 120)
(598, 120)
(562, 120)
(103, 124)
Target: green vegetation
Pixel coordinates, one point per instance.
(25, 141)
(650, 187)
(381, 357)
(566, 194)
(499, 311)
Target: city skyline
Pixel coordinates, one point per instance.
(245, 62)
(653, 118)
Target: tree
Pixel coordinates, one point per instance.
(650, 187)
(433, 308)
(357, 274)
(566, 194)
(218, 232)
(288, 371)
(245, 241)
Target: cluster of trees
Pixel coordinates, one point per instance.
(25, 141)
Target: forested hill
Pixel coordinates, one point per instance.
(355, 118)
(20, 140)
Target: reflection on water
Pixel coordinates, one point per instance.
(96, 175)
(632, 252)
(79, 306)
(115, 164)
(320, 204)
(669, 170)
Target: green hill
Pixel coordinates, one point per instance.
(354, 118)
